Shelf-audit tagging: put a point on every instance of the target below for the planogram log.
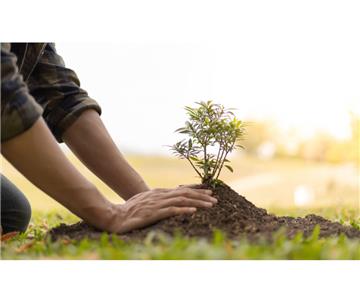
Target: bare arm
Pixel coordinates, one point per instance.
(36, 154)
(92, 144)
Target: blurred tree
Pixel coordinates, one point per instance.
(258, 133)
(322, 146)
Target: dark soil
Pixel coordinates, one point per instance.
(233, 215)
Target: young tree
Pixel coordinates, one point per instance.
(210, 127)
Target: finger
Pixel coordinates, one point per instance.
(156, 216)
(190, 193)
(172, 211)
(157, 191)
(153, 192)
(182, 201)
(192, 186)
(203, 191)
(202, 194)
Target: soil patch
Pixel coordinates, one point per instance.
(234, 215)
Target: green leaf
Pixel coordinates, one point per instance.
(209, 125)
(230, 168)
(185, 131)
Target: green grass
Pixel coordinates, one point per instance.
(336, 194)
(35, 245)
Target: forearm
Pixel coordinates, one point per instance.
(36, 154)
(92, 144)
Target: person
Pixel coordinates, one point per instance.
(42, 104)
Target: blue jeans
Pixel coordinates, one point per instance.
(15, 208)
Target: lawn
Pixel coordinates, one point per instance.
(335, 200)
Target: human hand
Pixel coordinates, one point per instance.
(151, 206)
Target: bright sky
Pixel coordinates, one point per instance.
(298, 65)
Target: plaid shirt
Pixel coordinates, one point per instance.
(35, 82)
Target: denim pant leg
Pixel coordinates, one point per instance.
(15, 208)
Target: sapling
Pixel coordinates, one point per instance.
(213, 133)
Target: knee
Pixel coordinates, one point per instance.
(23, 215)
(17, 218)
(15, 208)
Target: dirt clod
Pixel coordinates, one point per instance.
(234, 215)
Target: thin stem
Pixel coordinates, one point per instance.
(205, 163)
(216, 161)
(219, 160)
(203, 144)
(223, 160)
(196, 170)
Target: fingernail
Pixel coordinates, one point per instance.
(208, 192)
(192, 210)
(213, 199)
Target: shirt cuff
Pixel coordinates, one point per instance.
(58, 120)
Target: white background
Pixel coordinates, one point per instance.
(183, 281)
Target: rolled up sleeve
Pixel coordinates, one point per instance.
(57, 89)
(19, 110)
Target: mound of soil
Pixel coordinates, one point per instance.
(234, 215)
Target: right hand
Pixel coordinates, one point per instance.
(151, 206)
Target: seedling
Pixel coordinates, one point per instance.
(213, 132)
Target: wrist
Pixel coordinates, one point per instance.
(94, 208)
(114, 218)
(108, 218)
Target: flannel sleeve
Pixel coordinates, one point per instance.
(57, 89)
(19, 110)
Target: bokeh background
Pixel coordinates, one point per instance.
(294, 82)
